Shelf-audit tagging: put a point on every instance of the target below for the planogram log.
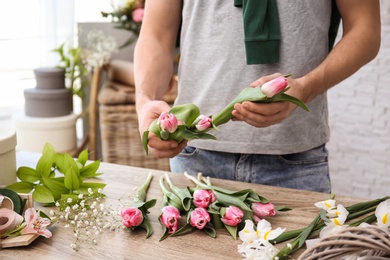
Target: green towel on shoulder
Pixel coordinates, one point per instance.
(261, 29)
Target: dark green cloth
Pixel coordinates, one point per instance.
(261, 29)
(335, 19)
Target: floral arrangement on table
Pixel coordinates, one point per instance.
(128, 15)
(60, 180)
(186, 122)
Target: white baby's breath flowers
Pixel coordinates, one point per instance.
(99, 48)
(88, 216)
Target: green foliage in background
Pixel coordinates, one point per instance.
(76, 71)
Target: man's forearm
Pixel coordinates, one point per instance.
(153, 71)
(359, 45)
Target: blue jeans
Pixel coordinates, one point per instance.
(306, 170)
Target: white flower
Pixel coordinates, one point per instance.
(331, 229)
(255, 242)
(326, 205)
(382, 213)
(340, 215)
(248, 234)
(265, 230)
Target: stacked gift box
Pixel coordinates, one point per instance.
(48, 116)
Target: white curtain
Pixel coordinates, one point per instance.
(30, 29)
(56, 27)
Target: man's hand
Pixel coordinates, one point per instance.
(160, 148)
(265, 114)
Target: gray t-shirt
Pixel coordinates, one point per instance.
(213, 70)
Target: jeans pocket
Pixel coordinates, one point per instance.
(188, 151)
(313, 156)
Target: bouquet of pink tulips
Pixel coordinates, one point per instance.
(186, 121)
(208, 207)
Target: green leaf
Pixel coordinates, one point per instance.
(83, 157)
(186, 113)
(45, 163)
(247, 94)
(187, 228)
(70, 162)
(165, 233)
(55, 186)
(232, 231)
(149, 204)
(27, 174)
(183, 194)
(145, 137)
(282, 208)
(60, 163)
(147, 226)
(210, 231)
(42, 194)
(228, 200)
(89, 171)
(288, 98)
(71, 180)
(84, 186)
(191, 135)
(21, 187)
(215, 219)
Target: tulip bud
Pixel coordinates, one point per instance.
(204, 123)
(203, 198)
(233, 216)
(168, 122)
(273, 87)
(131, 217)
(169, 218)
(199, 218)
(261, 210)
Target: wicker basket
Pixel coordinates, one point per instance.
(121, 141)
(120, 138)
(353, 243)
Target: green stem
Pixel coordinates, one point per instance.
(141, 194)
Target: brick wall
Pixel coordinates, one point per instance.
(359, 115)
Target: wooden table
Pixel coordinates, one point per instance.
(122, 180)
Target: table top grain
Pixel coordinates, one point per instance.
(122, 180)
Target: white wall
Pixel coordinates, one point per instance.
(359, 115)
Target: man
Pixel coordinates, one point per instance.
(274, 144)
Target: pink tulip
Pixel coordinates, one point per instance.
(168, 122)
(131, 217)
(199, 218)
(204, 123)
(35, 224)
(273, 87)
(138, 15)
(261, 210)
(169, 218)
(233, 216)
(203, 198)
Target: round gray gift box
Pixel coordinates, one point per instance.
(50, 78)
(48, 103)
